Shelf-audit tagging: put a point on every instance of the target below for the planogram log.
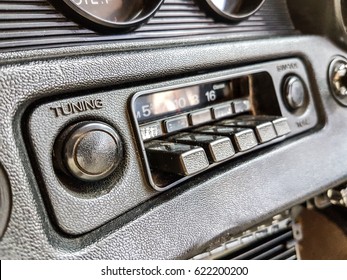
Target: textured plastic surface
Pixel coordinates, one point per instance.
(181, 222)
(331, 14)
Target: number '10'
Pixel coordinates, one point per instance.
(92, 2)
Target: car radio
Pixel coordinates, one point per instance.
(182, 128)
(186, 129)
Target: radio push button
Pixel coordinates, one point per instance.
(151, 130)
(222, 111)
(243, 138)
(241, 106)
(280, 123)
(281, 126)
(200, 117)
(175, 124)
(217, 148)
(264, 130)
(176, 158)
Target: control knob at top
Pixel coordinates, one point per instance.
(295, 92)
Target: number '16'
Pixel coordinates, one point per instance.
(210, 95)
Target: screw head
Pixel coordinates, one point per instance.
(338, 80)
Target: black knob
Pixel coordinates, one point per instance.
(295, 92)
(90, 151)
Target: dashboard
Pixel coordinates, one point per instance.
(172, 129)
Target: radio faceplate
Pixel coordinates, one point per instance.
(186, 129)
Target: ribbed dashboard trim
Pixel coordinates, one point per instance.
(37, 24)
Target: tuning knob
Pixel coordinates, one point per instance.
(90, 151)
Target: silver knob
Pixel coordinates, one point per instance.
(91, 150)
(295, 92)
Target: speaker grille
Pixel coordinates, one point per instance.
(279, 246)
(269, 242)
(36, 23)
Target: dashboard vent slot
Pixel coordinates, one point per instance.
(279, 246)
(36, 23)
(273, 240)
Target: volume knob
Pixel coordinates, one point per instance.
(91, 151)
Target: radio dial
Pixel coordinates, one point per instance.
(90, 151)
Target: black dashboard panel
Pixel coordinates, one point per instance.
(54, 73)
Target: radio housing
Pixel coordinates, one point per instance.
(261, 95)
(258, 91)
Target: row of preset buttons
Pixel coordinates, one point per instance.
(199, 117)
(188, 153)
